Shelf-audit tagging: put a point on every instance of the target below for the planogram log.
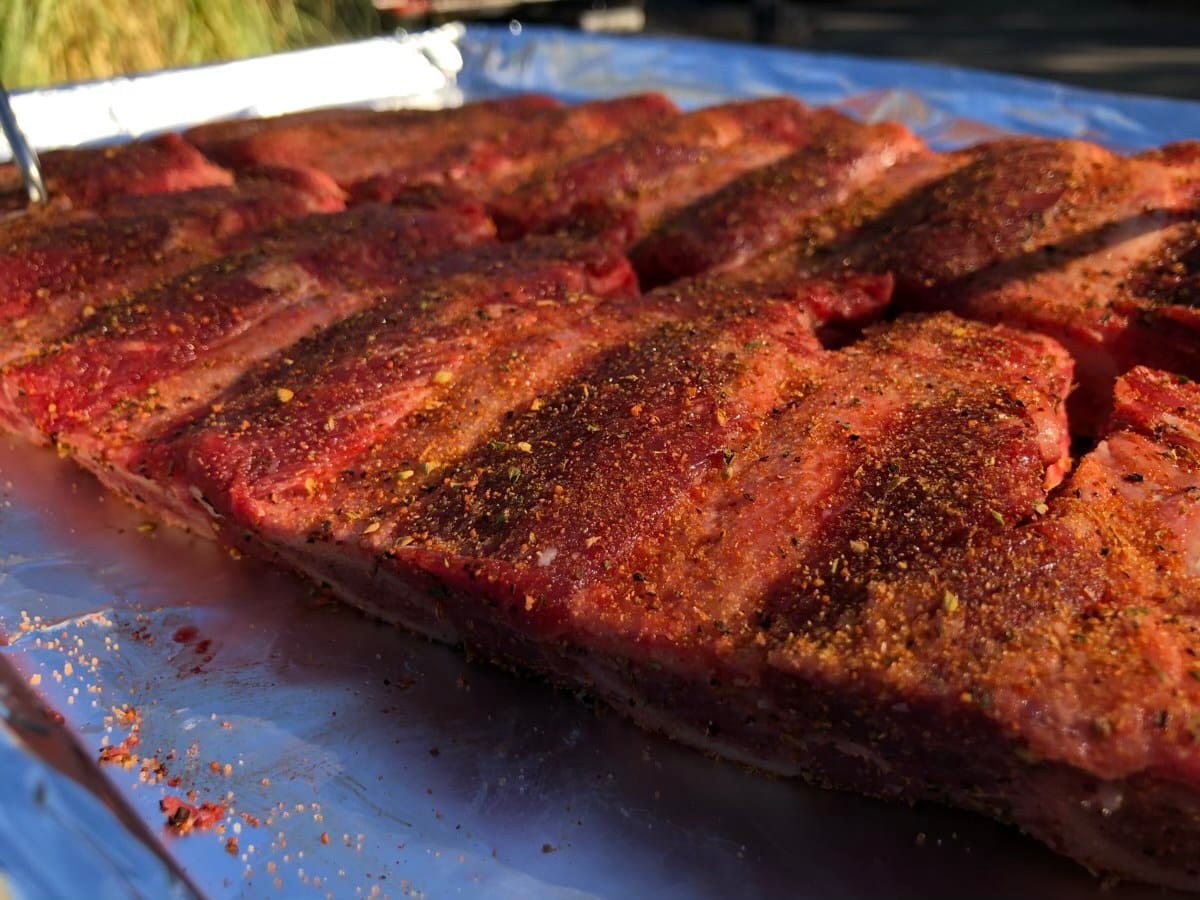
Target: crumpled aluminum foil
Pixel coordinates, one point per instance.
(341, 757)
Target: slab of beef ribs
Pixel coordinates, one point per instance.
(813, 509)
(444, 302)
(843, 564)
(308, 482)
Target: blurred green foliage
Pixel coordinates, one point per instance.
(48, 41)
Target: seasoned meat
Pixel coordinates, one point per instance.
(441, 359)
(1061, 237)
(622, 189)
(484, 146)
(410, 407)
(156, 354)
(78, 179)
(52, 274)
(769, 206)
(492, 162)
(810, 504)
(1043, 671)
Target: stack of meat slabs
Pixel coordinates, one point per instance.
(753, 421)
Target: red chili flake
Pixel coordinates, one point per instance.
(184, 634)
(184, 817)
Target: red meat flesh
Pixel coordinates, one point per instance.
(352, 144)
(155, 355)
(483, 146)
(441, 359)
(49, 276)
(769, 206)
(744, 540)
(396, 435)
(1060, 237)
(494, 161)
(622, 189)
(1047, 667)
(88, 177)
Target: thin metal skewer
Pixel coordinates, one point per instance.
(25, 156)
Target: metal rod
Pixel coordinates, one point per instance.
(25, 156)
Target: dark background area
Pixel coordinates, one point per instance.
(1148, 47)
